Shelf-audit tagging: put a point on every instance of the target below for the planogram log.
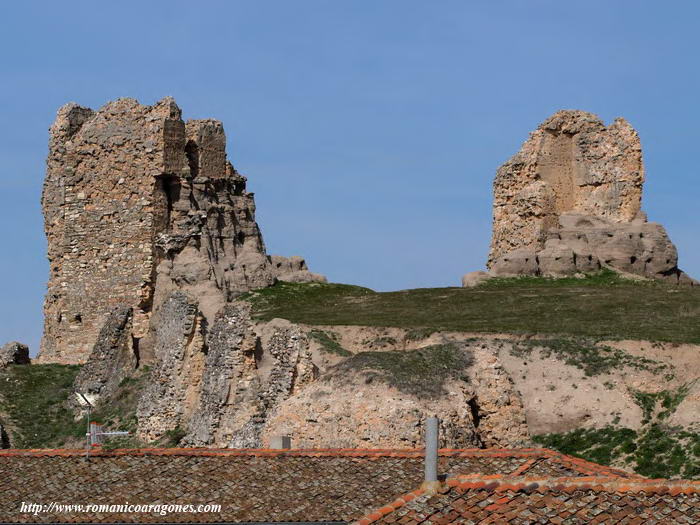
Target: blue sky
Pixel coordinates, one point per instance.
(370, 130)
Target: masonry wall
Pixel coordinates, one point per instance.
(138, 203)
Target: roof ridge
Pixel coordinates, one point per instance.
(584, 464)
(407, 452)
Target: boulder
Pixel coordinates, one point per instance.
(514, 264)
(472, 279)
(113, 357)
(557, 259)
(294, 270)
(14, 353)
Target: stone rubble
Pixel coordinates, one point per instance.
(14, 353)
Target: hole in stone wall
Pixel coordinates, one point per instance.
(170, 186)
(258, 351)
(135, 346)
(240, 237)
(192, 153)
(633, 259)
(474, 409)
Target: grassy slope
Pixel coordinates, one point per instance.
(598, 306)
(575, 311)
(33, 404)
(32, 398)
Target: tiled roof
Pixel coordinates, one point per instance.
(250, 485)
(519, 500)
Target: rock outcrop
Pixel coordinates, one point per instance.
(14, 353)
(354, 406)
(219, 384)
(138, 204)
(112, 359)
(570, 202)
(294, 270)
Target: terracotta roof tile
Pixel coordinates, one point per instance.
(258, 485)
(575, 500)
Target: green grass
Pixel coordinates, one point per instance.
(34, 401)
(328, 341)
(600, 306)
(586, 354)
(656, 451)
(668, 399)
(420, 372)
(34, 398)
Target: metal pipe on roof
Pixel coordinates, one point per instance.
(431, 449)
(281, 442)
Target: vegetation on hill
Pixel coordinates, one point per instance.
(34, 406)
(421, 372)
(591, 356)
(657, 450)
(601, 306)
(33, 401)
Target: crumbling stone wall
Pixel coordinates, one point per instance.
(570, 202)
(137, 204)
(112, 359)
(219, 386)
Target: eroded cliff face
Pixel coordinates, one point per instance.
(570, 202)
(139, 204)
(219, 384)
(238, 383)
(361, 402)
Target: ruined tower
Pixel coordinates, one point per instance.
(569, 202)
(138, 203)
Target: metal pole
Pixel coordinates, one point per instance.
(431, 449)
(87, 434)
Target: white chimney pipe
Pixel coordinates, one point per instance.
(431, 450)
(281, 442)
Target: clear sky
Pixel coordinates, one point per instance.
(370, 130)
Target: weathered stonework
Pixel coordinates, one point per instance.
(219, 388)
(112, 359)
(137, 204)
(14, 353)
(570, 202)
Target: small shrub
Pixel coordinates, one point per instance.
(591, 357)
(329, 342)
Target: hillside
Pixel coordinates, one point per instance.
(603, 305)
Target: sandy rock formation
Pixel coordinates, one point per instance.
(294, 270)
(219, 384)
(171, 393)
(138, 204)
(570, 202)
(351, 406)
(14, 353)
(472, 279)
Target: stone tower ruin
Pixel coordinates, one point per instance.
(137, 204)
(569, 202)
